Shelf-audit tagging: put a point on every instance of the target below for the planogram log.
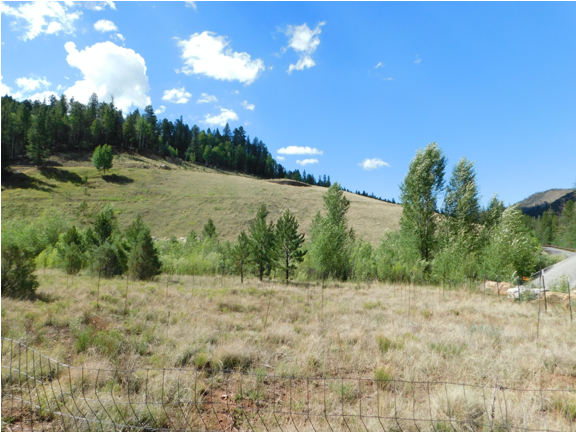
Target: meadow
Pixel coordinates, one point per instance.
(392, 333)
(177, 198)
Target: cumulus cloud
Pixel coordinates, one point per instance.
(160, 110)
(191, 4)
(371, 164)
(296, 150)
(304, 41)
(119, 37)
(40, 17)
(109, 70)
(208, 54)
(280, 158)
(101, 5)
(307, 161)
(248, 106)
(4, 89)
(225, 116)
(104, 26)
(206, 98)
(31, 84)
(179, 96)
(45, 95)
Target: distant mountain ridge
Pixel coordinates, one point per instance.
(554, 199)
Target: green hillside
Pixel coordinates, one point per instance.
(175, 197)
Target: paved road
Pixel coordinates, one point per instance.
(554, 251)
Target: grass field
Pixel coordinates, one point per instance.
(176, 200)
(348, 331)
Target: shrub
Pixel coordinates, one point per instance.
(102, 158)
(383, 375)
(18, 279)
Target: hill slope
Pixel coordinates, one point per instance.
(536, 204)
(176, 198)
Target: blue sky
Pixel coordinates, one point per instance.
(351, 90)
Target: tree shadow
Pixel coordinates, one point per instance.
(46, 297)
(22, 181)
(61, 175)
(117, 179)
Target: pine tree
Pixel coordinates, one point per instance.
(209, 230)
(290, 244)
(37, 147)
(419, 192)
(241, 253)
(263, 250)
(143, 260)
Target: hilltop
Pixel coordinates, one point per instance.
(175, 197)
(536, 204)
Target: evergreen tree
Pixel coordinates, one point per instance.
(241, 254)
(290, 244)
(209, 230)
(419, 192)
(143, 259)
(263, 249)
(71, 251)
(37, 147)
(18, 278)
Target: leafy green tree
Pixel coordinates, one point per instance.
(18, 279)
(209, 230)
(461, 203)
(419, 193)
(143, 258)
(330, 239)
(512, 250)
(263, 248)
(241, 254)
(491, 216)
(102, 158)
(290, 244)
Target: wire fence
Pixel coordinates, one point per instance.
(40, 393)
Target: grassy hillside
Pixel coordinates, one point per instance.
(536, 204)
(175, 198)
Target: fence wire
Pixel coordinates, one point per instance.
(40, 393)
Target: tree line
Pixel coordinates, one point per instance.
(449, 245)
(554, 229)
(37, 129)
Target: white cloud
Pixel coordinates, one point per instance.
(208, 54)
(4, 89)
(45, 95)
(43, 17)
(304, 41)
(248, 106)
(379, 65)
(100, 6)
(206, 98)
(370, 164)
(105, 26)
(31, 84)
(160, 110)
(295, 150)
(191, 4)
(307, 162)
(418, 60)
(119, 37)
(109, 70)
(179, 96)
(280, 158)
(225, 116)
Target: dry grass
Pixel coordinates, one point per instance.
(175, 201)
(377, 331)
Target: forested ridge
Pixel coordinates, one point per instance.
(37, 129)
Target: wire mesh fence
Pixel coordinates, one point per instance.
(40, 393)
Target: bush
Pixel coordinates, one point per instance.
(18, 279)
(102, 158)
